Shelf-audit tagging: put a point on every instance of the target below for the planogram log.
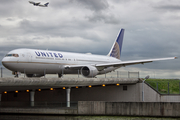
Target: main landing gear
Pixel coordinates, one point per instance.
(60, 75)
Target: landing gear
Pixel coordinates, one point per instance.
(15, 73)
(29, 75)
(34, 75)
(60, 75)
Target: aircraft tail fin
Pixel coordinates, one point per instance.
(46, 4)
(117, 46)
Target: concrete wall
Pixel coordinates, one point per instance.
(170, 98)
(129, 108)
(91, 108)
(110, 93)
(151, 95)
(161, 109)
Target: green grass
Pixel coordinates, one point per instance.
(163, 85)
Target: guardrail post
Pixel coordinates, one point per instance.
(0, 97)
(24, 73)
(179, 87)
(168, 87)
(92, 73)
(62, 72)
(78, 73)
(1, 73)
(44, 73)
(128, 74)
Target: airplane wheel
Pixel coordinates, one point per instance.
(29, 75)
(59, 75)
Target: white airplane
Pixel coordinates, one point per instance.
(39, 4)
(37, 63)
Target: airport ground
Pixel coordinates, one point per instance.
(45, 117)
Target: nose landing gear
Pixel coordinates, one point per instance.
(16, 73)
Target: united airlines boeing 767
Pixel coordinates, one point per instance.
(37, 63)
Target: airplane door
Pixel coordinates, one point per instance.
(29, 57)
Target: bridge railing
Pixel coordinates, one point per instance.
(4, 73)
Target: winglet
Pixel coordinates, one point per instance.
(117, 46)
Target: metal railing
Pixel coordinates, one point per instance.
(172, 87)
(115, 74)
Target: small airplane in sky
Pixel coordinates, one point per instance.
(39, 4)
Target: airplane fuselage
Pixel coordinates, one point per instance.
(30, 61)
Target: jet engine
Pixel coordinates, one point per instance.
(89, 71)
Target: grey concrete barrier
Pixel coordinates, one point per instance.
(160, 109)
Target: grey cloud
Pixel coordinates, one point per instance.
(106, 18)
(7, 1)
(67, 29)
(29, 27)
(10, 19)
(94, 5)
(169, 7)
(150, 44)
(9, 8)
(61, 4)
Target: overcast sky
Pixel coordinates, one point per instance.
(152, 29)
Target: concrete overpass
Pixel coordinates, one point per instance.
(112, 99)
(32, 84)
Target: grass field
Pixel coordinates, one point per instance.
(163, 85)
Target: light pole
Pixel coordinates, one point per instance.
(143, 87)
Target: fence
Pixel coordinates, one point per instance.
(166, 86)
(115, 74)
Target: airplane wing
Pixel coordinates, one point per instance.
(133, 62)
(36, 4)
(120, 64)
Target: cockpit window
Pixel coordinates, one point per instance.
(14, 55)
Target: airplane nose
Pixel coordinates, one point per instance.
(9, 63)
(4, 60)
